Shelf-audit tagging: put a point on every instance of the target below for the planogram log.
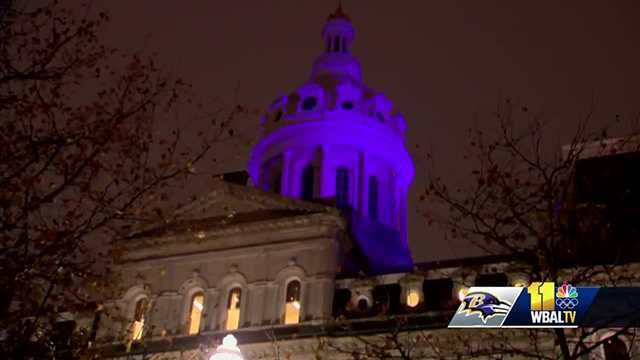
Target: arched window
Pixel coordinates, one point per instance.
(615, 348)
(363, 304)
(195, 314)
(342, 187)
(233, 309)
(413, 298)
(277, 116)
(137, 326)
(292, 305)
(309, 103)
(379, 116)
(347, 105)
(336, 44)
(308, 179)
(373, 197)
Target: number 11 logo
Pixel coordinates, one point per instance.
(542, 296)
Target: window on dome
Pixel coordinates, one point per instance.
(380, 117)
(137, 326)
(233, 309)
(336, 44)
(195, 315)
(277, 116)
(347, 105)
(276, 183)
(309, 103)
(342, 187)
(373, 197)
(292, 305)
(308, 180)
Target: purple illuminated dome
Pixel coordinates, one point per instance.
(335, 139)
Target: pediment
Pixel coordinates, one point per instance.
(228, 200)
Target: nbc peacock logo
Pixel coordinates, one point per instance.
(567, 297)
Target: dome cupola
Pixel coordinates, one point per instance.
(336, 140)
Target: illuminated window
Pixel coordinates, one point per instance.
(342, 187)
(373, 197)
(413, 298)
(195, 315)
(308, 180)
(292, 306)
(462, 293)
(137, 326)
(520, 283)
(233, 310)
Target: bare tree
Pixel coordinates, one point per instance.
(83, 158)
(526, 198)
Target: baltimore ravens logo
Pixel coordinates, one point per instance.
(484, 304)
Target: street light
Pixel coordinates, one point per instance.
(228, 350)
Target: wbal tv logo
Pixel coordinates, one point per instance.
(551, 307)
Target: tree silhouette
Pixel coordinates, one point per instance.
(84, 156)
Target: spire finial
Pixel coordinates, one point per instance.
(339, 13)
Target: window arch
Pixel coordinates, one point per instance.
(195, 313)
(308, 182)
(615, 348)
(232, 321)
(292, 303)
(136, 330)
(342, 187)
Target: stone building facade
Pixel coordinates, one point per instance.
(312, 247)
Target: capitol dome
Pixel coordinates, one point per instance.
(335, 139)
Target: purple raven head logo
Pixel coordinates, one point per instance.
(484, 304)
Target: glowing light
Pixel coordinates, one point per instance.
(292, 313)
(228, 350)
(196, 313)
(520, 283)
(413, 298)
(462, 293)
(233, 310)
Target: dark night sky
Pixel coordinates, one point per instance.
(439, 61)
